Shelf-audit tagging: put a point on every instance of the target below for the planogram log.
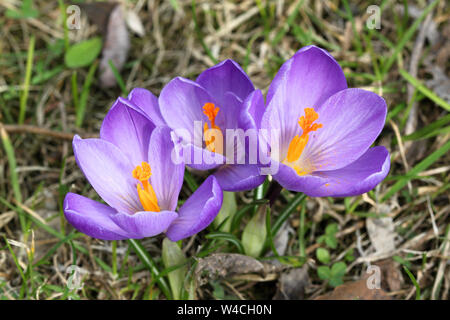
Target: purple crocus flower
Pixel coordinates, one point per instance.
(131, 169)
(324, 129)
(218, 100)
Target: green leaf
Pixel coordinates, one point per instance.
(334, 282)
(173, 256)
(324, 272)
(321, 239)
(228, 209)
(323, 255)
(331, 241)
(83, 53)
(331, 229)
(254, 234)
(338, 270)
(349, 255)
(226, 237)
(26, 11)
(218, 292)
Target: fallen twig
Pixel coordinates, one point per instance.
(12, 128)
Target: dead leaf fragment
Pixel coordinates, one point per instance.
(237, 266)
(98, 13)
(115, 48)
(381, 233)
(292, 284)
(357, 290)
(391, 275)
(134, 23)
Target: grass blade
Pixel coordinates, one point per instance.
(407, 36)
(85, 94)
(26, 84)
(118, 77)
(226, 237)
(298, 198)
(190, 181)
(150, 264)
(16, 261)
(431, 130)
(200, 34)
(414, 281)
(427, 92)
(422, 165)
(9, 149)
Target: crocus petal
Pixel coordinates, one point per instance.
(356, 178)
(236, 123)
(254, 104)
(352, 119)
(127, 129)
(201, 159)
(231, 111)
(181, 102)
(290, 180)
(148, 103)
(92, 218)
(239, 177)
(309, 77)
(198, 211)
(109, 172)
(145, 224)
(304, 81)
(227, 76)
(167, 169)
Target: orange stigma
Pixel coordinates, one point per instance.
(298, 143)
(146, 193)
(213, 136)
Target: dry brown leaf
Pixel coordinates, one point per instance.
(98, 13)
(391, 275)
(356, 290)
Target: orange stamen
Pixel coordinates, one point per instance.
(147, 195)
(211, 111)
(298, 143)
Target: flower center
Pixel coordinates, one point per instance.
(298, 143)
(146, 193)
(213, 136)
